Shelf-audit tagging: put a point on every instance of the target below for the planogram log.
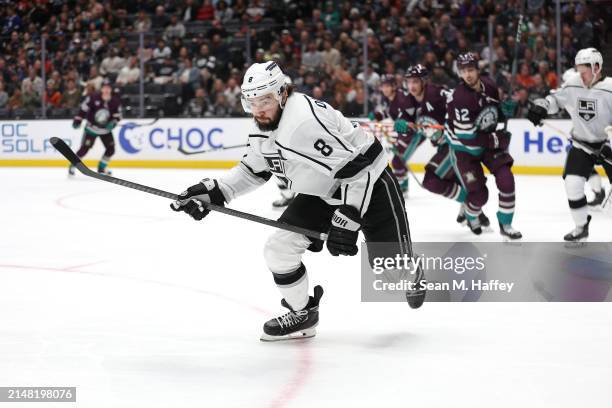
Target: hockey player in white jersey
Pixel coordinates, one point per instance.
(342, 178)
(587, 98)
(594, 181)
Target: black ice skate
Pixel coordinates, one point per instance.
(104, 171)
(579, 234)
(71, 171)
(461, 219)
(598, 199)
(508, 233)
(296, 324)
(484, 220)
(475, 226)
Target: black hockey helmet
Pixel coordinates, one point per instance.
(106, 82)
(416, 71)
(467, 59)
(388, 79)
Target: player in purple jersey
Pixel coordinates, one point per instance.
(398, 105)
(439, 177)
(472, 117)
(102, 112)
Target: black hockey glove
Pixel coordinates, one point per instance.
(191, 201)
(345, 226)
(536, 114)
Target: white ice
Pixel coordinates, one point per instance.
(108, 290)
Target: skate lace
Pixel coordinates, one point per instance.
(292, 318)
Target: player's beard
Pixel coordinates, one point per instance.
(271, 125)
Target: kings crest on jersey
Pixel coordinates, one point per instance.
(315, 150)
(589, 108)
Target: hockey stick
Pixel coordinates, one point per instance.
(63, 148)
(517, 42)
(414, 175)
(185, 152)
(151, 123)
(584, 147)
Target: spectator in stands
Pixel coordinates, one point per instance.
(94, 82)
(524, 77)
(582, 31)
(224, 13)
(539, 89)
(162, 51)
(232, 94)
(189, 77)
(204, 59)
(256, 10)
(113, 63)
(355, 107)
(165, 72)
(189, 11)
(14, 101)
(159, 20)
(206, 12)
(4, 98)
(220, 108)
(175, 29)
(550, 78)
(53, 96)
(312, 58)
(143, 22)
(71, 97)
(130, 73)
(198, 106)
(33, 81)
(12, 21)
(330, 56)
(30, 99)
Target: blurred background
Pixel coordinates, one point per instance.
(186, 58)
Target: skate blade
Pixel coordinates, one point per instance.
(581, 243)
(512, 241)
(302, 334)
(488, 228)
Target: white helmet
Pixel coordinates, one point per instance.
(589, 56)
(261, 79)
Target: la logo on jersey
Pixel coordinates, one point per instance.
(277, 167)
(587, 109)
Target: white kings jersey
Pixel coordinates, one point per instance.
(589, 108)
(315, 150)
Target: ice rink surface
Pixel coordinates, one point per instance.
(106, 289)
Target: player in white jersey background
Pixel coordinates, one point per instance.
(342, 178)
(587, 98)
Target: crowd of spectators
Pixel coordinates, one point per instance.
(195, 51)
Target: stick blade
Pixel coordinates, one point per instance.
(65, 150)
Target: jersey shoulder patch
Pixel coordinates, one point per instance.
(605, 84)
(573, 81)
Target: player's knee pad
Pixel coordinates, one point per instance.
(574, 187)
(283, 251)
(504, 179)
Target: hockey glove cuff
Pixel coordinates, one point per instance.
(193, 201)
(344, 231)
